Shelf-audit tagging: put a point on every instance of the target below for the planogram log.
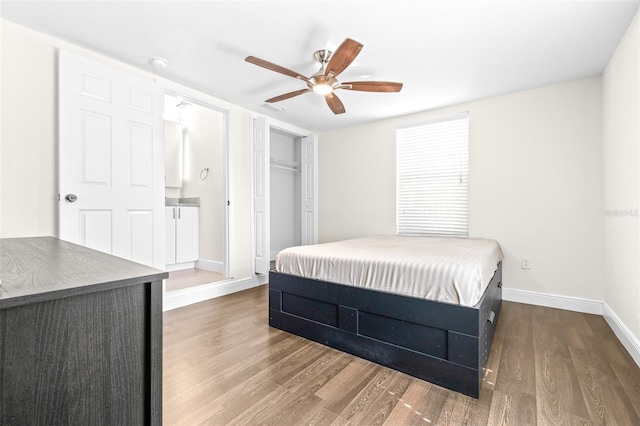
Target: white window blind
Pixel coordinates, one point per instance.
(432, 177)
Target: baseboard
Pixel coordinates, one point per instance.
(187, 296)
(626, 337)
(180, 266)
(210, 265)
(587, 306)
(576, 304)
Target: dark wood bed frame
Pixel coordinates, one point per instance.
(442, 343)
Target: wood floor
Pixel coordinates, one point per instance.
(223, 365)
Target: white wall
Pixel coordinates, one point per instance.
(28, 146)
(28, 172)
(535, 183)
(203, 148)
(621, 107)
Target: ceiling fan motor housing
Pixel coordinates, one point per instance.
(322, 55)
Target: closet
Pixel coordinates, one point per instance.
(285, 199)
(283, 188)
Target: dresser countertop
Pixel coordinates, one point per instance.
(36, 269)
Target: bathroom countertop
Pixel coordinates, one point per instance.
(182, 202)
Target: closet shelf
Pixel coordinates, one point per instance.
(284, 164)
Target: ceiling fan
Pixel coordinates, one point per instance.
(324, 81)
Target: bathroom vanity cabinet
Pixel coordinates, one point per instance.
(182, 234)
(80, 336)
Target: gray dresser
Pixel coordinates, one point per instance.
(80, 336)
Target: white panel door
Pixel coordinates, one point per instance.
(111, 160)
(260, 189)
(309, 220)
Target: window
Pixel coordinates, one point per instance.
(432, 170)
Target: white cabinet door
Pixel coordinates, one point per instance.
(170, 234)
(187, 240)
(111, 160)
(182, 234)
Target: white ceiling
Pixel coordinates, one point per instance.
(445, 52)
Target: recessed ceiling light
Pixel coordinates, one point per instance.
(159, 62)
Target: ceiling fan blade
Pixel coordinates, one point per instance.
(372, 86)
(273, 67)
(343, 56)
(335, 103)
(287, 96)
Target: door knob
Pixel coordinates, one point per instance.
(71, 198)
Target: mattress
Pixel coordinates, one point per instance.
(451, 270)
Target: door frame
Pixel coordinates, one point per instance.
(311, 236)
(198, 98)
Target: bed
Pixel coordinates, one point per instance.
(366, 296)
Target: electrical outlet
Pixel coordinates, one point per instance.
(525, 262)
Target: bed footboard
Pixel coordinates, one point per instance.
(438, 342)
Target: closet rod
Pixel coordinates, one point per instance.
(278, 166)
(284, 164)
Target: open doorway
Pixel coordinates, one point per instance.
(284, 188)
(195, 193)
(285, 194)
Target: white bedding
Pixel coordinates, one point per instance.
(452, 270)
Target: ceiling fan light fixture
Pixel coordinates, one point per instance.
(322, 89)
